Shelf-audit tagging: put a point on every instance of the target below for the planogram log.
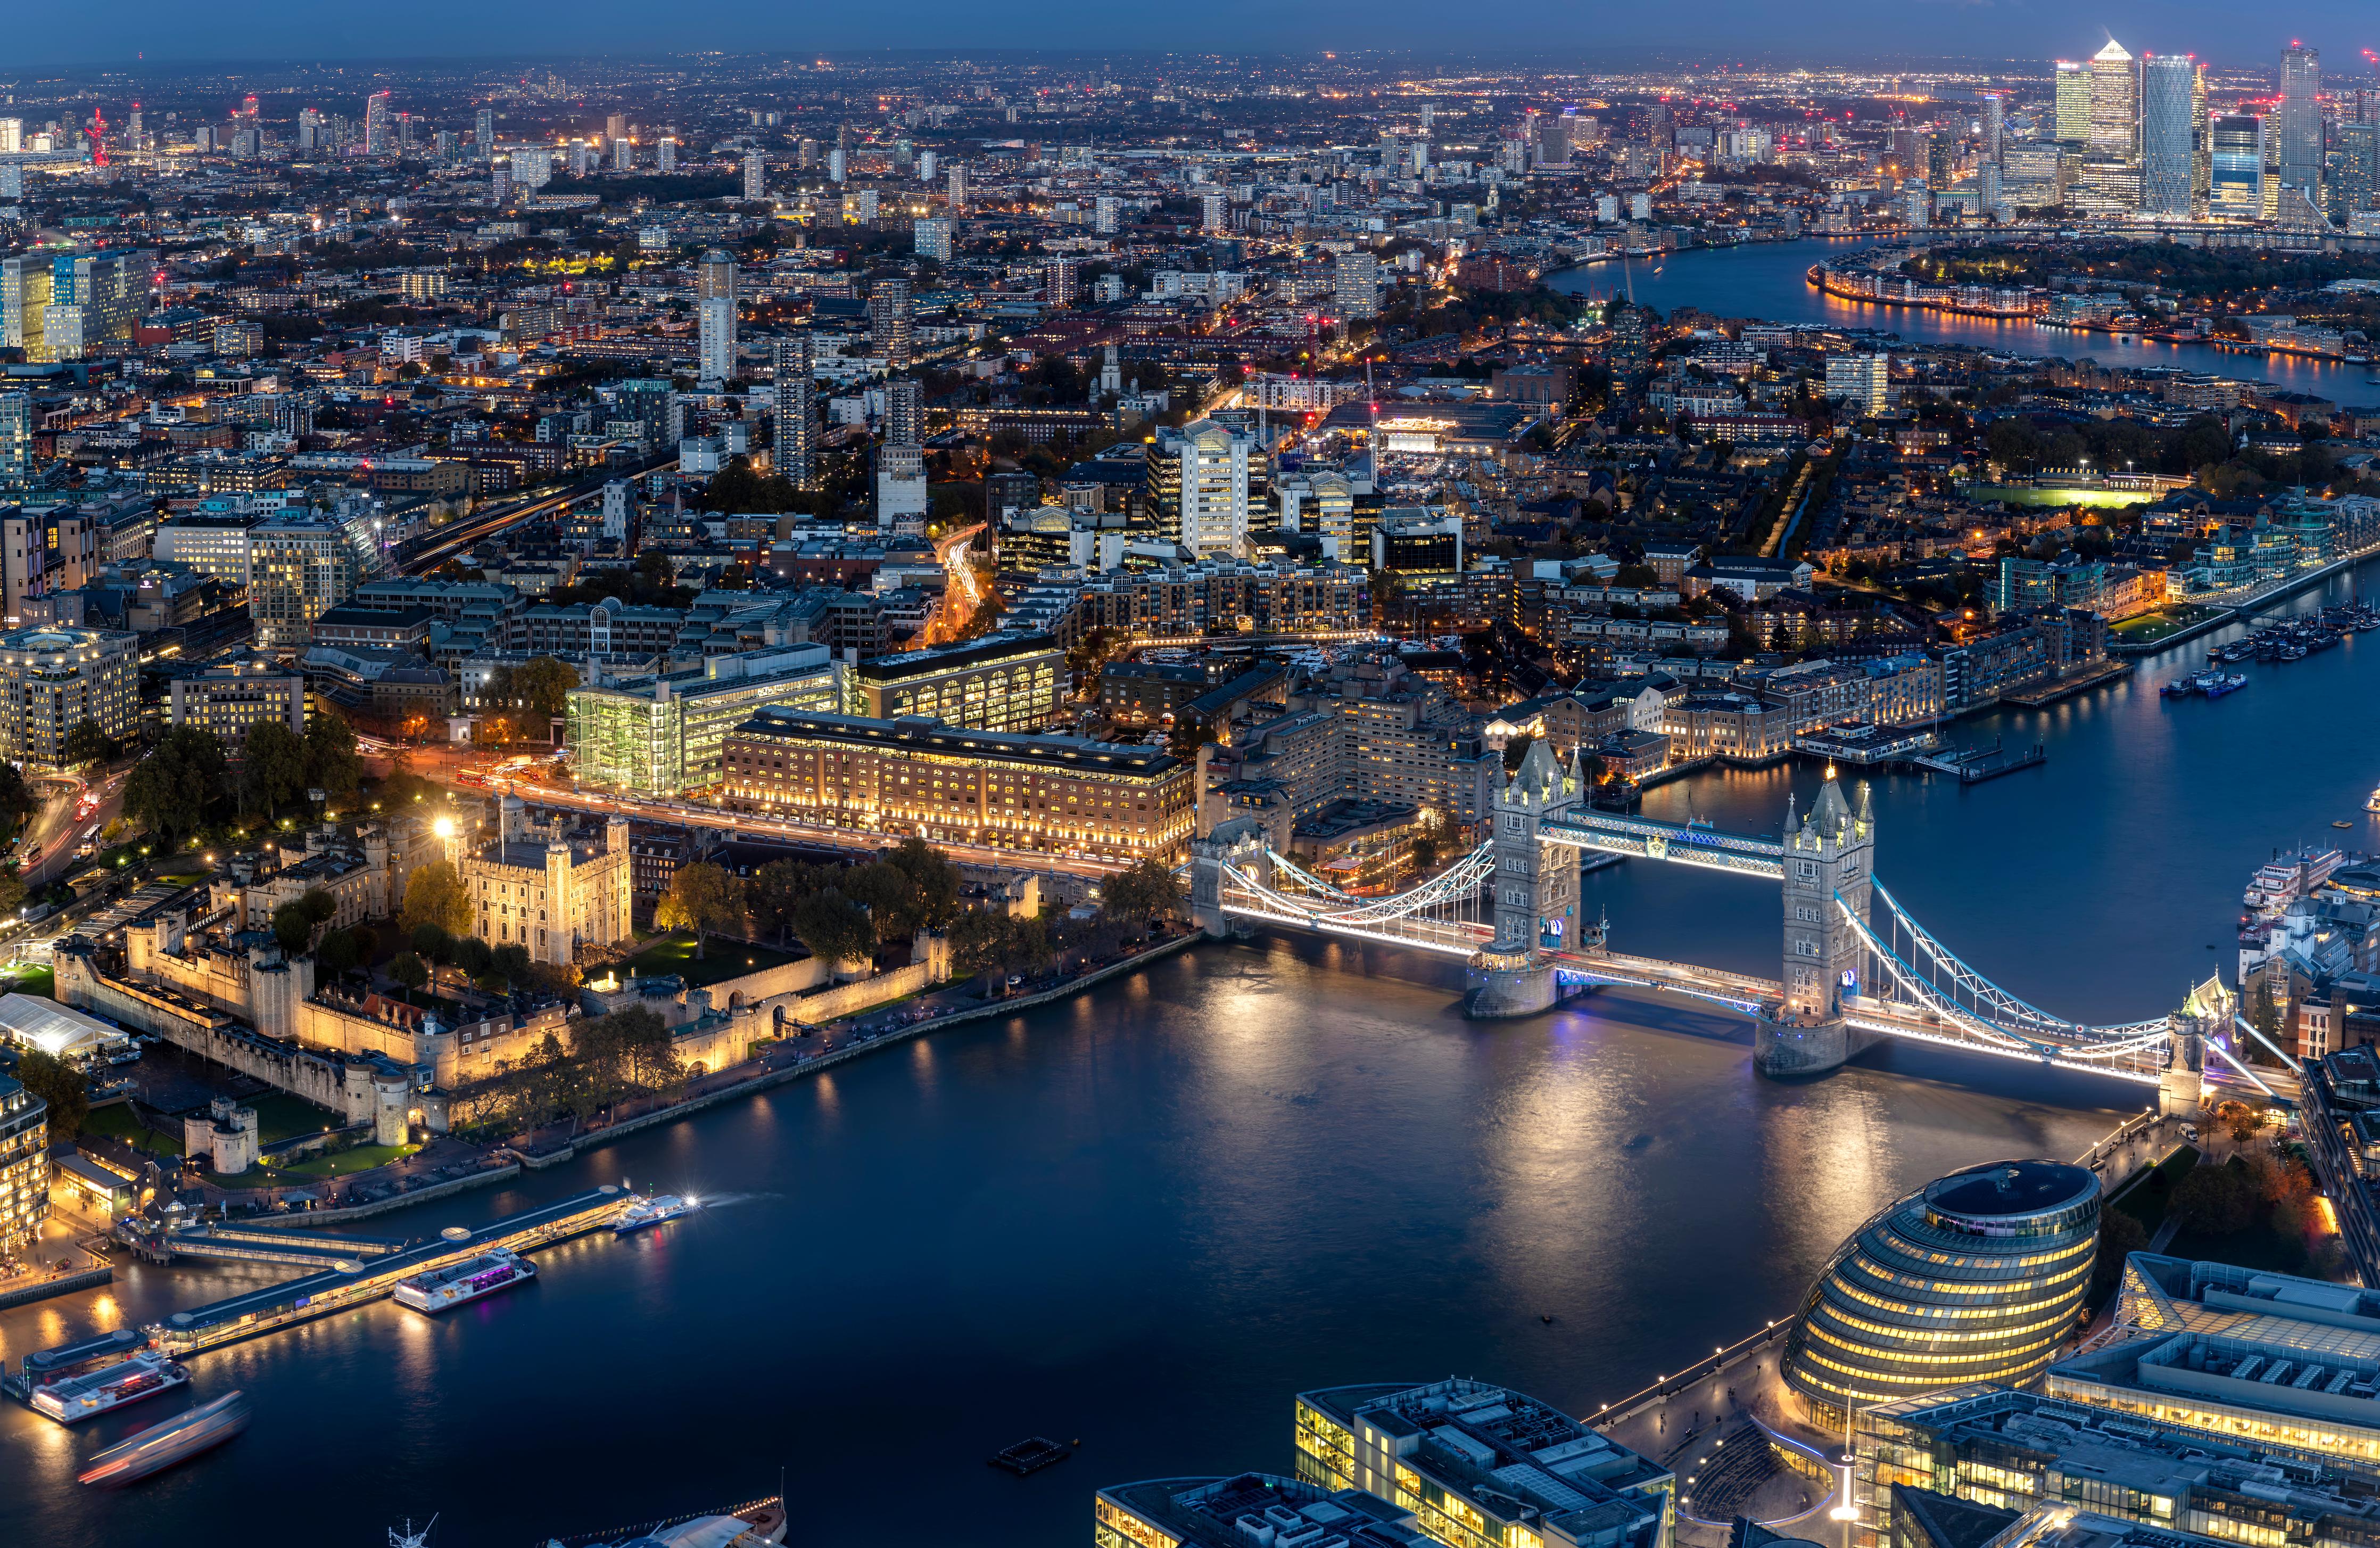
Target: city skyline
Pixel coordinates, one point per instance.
(157, 35)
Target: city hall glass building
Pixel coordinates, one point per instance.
(1975, 1277)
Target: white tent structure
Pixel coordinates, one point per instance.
(44, 1024)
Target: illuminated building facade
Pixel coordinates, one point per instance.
(1484, 1467)
(661, 735)
(547, 889)
(1975, 1277)
(228, 700)
(1243, 1511)
(947, 784)
(52, 679)
(1006, 681)
(24, 1164)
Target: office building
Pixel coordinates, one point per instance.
(1995, 123)
(2114, 105)
(215, 545)
(1245, 1511)
(301, 566)
(1356, 286)
(549, 889)
(1481, 1465)
(378, 142)
(95, 299)
(756, 176)
(900, 484)
(933, 237)
(2171, 92)
(228, 700)
(15, 439)
(947, 784)
(2350, 183)
(54, 680)
(2236, 188)
(1006, 681)
(44, 552)
(1864, 380)
(661, 735)
(887, 321)
(794, 369)
(24, 1166)
(1198, 488)
(715, 318)
(25, 304)
(1977, 1276)
(2073, 103)
(2297, 155)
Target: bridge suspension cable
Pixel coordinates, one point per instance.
(1992, 1003)
(1453, 885)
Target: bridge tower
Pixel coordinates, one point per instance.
(2207, 1010)
(1828, 855)
(1535, 888)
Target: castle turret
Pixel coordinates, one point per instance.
(1828, 884)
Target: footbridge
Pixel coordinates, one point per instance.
(1855, 964)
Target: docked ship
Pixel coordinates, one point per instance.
(162, 1445)
(2218, 684)
(653, 1211)
(441, 1289)
(89, 1393)
(756, 1526)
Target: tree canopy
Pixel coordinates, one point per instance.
(172, 788)
(703, 898)
(435, 894)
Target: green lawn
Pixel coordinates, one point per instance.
(280, 1116)
(362, 1159)
(31, 979)
(116, 1121)
(722, 959)
(2150, 628)
(2145, 1197)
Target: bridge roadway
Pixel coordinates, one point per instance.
(1741, 991)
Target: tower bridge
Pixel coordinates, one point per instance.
(1854, 965)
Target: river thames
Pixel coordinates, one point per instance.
(1146, 1218)
(1767, 281)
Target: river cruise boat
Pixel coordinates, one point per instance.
(653, 1211)
(162, 1445)
(440, 1289)
(72, 1399)
(2218, 684)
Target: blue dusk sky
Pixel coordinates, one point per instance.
(168, 32)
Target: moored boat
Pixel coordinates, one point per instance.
(440, 1289)
(2217, 687)
(87, 1396)
(162, 1445)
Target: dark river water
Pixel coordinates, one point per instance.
(1767, 281)
(1147, 1217)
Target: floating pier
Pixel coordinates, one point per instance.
(1974, 764)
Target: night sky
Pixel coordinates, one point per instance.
(165, 32)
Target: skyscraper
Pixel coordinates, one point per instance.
(309, 128)
(2168, 152)
(665, 159)
(15, 439)
(1995, 105)
(1356, 284)
(485, 133)
(615, 126)
(2236, 171)
(2348, 174)
(756, 176)
(377, 139)
(2073, 103)
(934, 240)
(715, 289)
(958, 186)
(904, 412)
(887, 321)
(2298, 149)
(2115, 104)
(796, 451)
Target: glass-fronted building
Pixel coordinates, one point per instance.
(1245, 1511)
(1485, 1467)
(662, 736)
(1977, 1276)
(24, 1164)
(1009, 681)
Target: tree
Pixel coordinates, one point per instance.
(408, 970)
(434, 894)
(431, 943)
(293, 927)
(2120, 1235)
(2215, 1200)
(335, 954)
(933, 882)
(835, 928)
(331, 764)
(510, 961)
(87, 743)
(59, 1084)
(474, 955)
(1140, 893)
(703, 898)
(537, 690)
(773, 891)
(271, 768)
(172, 788)
(980, 941)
